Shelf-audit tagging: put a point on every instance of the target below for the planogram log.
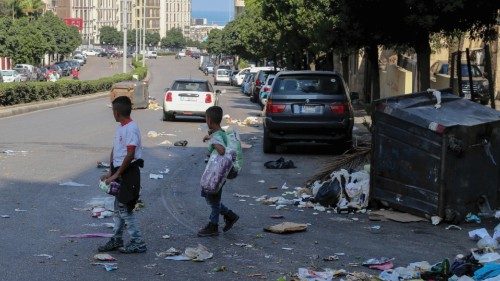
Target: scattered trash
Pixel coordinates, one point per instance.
(472, 218)
(311, 275)
(244, 245)
(284, 186)
(277, 216)
(105, 224)
(354, 276)
(103, 165)
(396, 216)
(478, 234)
(220, 269)
(165, 142)
(166, 237)
(166, 171)
(375, 229)
(287, 249)
(281, 163)
(104, 257)
(72, 183)
(487, 243)
(200, 253)
(89, 235)
(319, 208)
(250, 121)
(181, 143)
(107, 266)
(155, 176)
(286, 227)
(14, 152)
(44, 255)
(150, 266)
(483, 256)
(101, 212)
(331, 258)
(20, 210)
(5, 216)
(452, 226)
(436, 220)
(241, 195)
(262, 181)
(152, 134)
(168, 253)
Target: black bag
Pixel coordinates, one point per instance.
(329, 193)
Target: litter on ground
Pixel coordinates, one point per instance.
(72, 183)
(199, 254)
(395, 216)
(44, 256)
(286, 227)
(104, 257)
(155, 176)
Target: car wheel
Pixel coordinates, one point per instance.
(268, 144)
(168, 117)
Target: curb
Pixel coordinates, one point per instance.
(31, 107)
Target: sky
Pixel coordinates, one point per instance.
(212, 5)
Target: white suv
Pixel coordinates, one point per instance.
(222, 76)
(152, 55)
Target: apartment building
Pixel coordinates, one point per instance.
(239, 6)
(152, 19)
(175, 14)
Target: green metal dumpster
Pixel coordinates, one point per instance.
(435, 161)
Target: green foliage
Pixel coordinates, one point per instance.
(17, 93)
(110, 36)
(174, 39)
(164, 54)
(152, 39)
(139, 70)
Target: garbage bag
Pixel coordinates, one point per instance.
(216, 171)
(329, 193)
(234, 143)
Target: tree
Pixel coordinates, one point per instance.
(110, 36)
(152, 39)
(174, 39)
(32, 8)
(26, 43)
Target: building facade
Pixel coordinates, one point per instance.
(200, 32)
(175, 14)
(239, 7)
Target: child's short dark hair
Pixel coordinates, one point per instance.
(122, 105)
(215, 114)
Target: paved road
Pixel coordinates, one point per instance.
(65, 143)
(97, 67)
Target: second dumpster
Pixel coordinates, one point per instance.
(435, 158)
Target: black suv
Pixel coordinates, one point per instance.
(308, 106)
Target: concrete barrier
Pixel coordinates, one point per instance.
(395, 81)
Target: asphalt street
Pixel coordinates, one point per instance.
(63, 144)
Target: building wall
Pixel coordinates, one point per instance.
(239, 7)
(175, 14)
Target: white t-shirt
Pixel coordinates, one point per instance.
(126, 135)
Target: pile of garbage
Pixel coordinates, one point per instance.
(249, 121)
(153, 104)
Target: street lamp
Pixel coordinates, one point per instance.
(144, 33)
(124, 22)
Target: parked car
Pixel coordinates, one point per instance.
(103, 54)
(90, 52)
(308, 106)
(151, 55)
(42, 74)
(265, 90)
(65, 67)
(195, 55)
(247, 84)
(188, 97)
(240, 76)
(479, 82)
(80, 59)
(10, 76)
(56, 68)
(208, 69)
(259, 79)
(23, 65)
(74, 64)
(232, 77)
(222, 76)
(24, 74)
(181, 54)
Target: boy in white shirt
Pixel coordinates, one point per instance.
(125, 163)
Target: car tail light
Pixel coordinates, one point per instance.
(267, 89)
(208, 98)
(168, 97)
(338, 108)
(274, 108)
(257, 82)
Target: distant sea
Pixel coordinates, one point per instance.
(214, 17)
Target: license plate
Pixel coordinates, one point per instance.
(188, 99)
(467, 96)
(310, 109)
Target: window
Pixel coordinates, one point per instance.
(308, 84)
(190, 86)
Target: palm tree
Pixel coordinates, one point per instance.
(32, 8)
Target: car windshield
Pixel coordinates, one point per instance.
(308, 84)
(222, 72)
(270, 81)
(7, 73)
(190, 86)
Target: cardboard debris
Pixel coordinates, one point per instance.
(104, 257)
(395, 216)
(286, 227)
(168, 253)
(199, 254)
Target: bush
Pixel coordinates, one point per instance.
(164, 54)
(17, 93)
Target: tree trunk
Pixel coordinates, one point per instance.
(345, 67)
(374, 71)
(423, 50)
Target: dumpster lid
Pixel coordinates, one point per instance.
(419, 109)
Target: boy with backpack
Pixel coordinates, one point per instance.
(217, 144)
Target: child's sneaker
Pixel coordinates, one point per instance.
(230, 219)
(112, 245)
(133, 248)
(210, 229)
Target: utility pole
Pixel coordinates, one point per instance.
(136, 38)
(124, 23)
(144, 34)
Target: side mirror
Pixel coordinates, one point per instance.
(354, 96)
